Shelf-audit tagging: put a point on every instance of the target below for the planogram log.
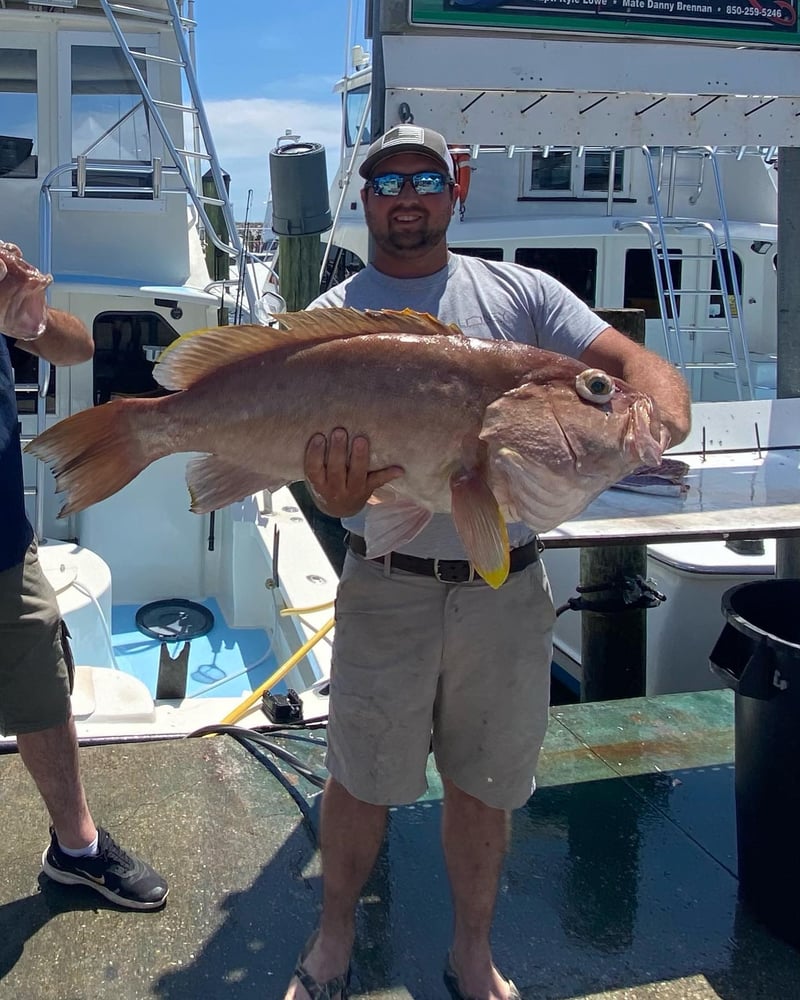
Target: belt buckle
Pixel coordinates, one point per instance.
(441, 579)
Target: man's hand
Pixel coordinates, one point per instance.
(339, 477)
(23, 305)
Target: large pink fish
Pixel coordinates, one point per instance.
(490, 431)
(23, 306)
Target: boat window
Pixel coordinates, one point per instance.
(485, 253)
(640, 290)
(575, 267)
(109, 123)
(355, 102)
(552, 172)
(341, 264)
(18, 113)
(595, 171)
(715, 302)
(126, 348)
(563, 172)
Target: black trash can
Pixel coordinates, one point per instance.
(758, 655)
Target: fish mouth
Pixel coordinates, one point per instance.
(639, 441)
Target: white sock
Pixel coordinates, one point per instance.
(82, 852)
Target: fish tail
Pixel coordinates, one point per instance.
(94, 453)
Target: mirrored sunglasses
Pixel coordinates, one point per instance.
(423, 182)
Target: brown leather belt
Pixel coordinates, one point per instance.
(447, 570)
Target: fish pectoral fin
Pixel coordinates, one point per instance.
(391, 524)
(480, 525)
(386, 494)
(215, 482)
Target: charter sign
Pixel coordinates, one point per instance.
(771, 22)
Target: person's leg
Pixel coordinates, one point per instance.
(35, 706)
(474, 837)
(489, 723)
(383, 686)
(51, 757)
(35, 696)
(351, 835)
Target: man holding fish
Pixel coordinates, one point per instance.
(35, 661)
(468, 434)
(428, 641)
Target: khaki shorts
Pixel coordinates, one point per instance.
(459, 667)
(34, 660)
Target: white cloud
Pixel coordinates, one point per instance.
(245, 131)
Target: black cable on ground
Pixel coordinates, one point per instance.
(252, 747)
(252, 735)
(253, 743)
(298, 737)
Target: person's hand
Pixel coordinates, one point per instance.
(23, 302)
(338, 475)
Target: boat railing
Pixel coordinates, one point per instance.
(203, 143)
(344, 184)
(719, 254)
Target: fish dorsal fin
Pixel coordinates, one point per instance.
(197, 354)
(330, 324)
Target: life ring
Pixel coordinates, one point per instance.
(463, 172)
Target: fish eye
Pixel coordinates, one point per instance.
(595, 386)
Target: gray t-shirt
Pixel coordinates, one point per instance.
(486, 299)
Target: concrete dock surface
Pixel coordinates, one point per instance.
(620, 883)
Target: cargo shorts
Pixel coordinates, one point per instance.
(35, 662)
(461, 669)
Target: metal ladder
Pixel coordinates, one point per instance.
(186, 161)
(716, 248)
(39, 390)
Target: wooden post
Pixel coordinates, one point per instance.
(299, 258)
(614, 643)
(219, 263)
(787, 563)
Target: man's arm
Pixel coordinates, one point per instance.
(65, 341)
(649, 373)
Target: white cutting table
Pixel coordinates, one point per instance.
(744, 482)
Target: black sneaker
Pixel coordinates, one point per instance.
(115, 874)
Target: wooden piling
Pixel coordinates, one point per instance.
(614, 643)
(299, 259)
(787, 561)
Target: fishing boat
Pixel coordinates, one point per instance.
(575, 156)
(110, 180)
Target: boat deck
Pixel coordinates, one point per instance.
(620, 881)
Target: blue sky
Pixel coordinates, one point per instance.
(265, 66)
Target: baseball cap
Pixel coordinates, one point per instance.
(408, 139)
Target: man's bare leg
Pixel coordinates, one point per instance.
(475, 839)
(51, 757)
(351, 836)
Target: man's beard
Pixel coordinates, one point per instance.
(401, 242)
(406, 242)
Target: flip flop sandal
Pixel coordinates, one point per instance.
(454, 988)
(331, 989)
